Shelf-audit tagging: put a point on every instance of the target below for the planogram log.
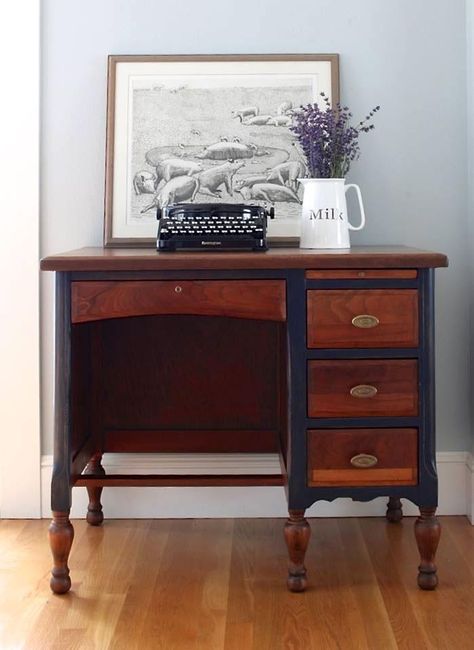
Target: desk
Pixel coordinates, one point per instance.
(325, 357)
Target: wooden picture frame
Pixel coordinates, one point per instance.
(226, 115)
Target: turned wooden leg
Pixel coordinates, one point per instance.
(95, 516)
(297, 534)
(394, 512)
(427, 533)
(61, 534)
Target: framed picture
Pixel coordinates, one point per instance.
(204, 129)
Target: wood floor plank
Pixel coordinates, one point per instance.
(101, 585)
(332, 589)
(220, 585)
(185, 611)
(240, 604)
(63, 619)
(131, 632)
(365, 588)
(259, 614)
(446, 615)
(383, 541)
(329, 590)
(25, 589)
(461, 534)
(278, 621)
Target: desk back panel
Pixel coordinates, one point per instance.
(187, 383)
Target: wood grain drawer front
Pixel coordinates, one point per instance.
(330, 452)
(256, 299)
(362, 388)
(338, 318)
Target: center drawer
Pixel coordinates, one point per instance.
(364, 388)
(254, 299)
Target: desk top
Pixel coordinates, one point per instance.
(148, 259)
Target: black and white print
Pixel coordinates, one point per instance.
(193, 142)
(214, 130)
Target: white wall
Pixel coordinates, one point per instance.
(407, 55)
(19, 266)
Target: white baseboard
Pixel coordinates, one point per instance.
(470, 487)
(455, 471)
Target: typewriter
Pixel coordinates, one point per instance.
(212, 226)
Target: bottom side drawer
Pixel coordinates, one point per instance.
(362, 457)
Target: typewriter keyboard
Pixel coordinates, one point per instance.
(212, 226)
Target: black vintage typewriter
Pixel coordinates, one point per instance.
(212, 226)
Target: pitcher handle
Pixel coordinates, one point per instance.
(361, 206)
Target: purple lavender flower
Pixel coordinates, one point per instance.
(328, 140)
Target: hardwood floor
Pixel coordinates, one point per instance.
(220, 585)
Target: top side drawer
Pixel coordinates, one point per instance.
(333, 318)
(257, 299)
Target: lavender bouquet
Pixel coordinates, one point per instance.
(328, 140)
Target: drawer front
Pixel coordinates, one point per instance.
(257, 299)
(372, 318)
(362, 457)
(343, 388)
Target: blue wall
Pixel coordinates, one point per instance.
(407, 55)
(470, 171)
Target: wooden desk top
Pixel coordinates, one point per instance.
(148, 259)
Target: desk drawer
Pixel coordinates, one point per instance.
(359, 318)
(362, 457)
(255, 299)
(368, 388)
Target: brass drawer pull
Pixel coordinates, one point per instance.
(364, 461)
(363, 391)
(178, 289)
(365, 321)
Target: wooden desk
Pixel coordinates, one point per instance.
(325, 357)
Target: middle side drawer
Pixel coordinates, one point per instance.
(364, 388)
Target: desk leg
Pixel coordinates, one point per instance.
(297, 534)
(95, 516)
(61, 534)
(427, 532)
(394, 510)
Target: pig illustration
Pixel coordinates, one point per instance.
(269, 192)
(171, 167)
(284, 107)
(229, 151)
(144, 182)
(180, 188)
(246, 111)
(212, 179)
(280, 120)
(287, 173)
(258, 120)
(248, 181)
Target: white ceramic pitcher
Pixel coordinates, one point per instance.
(324, 222)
